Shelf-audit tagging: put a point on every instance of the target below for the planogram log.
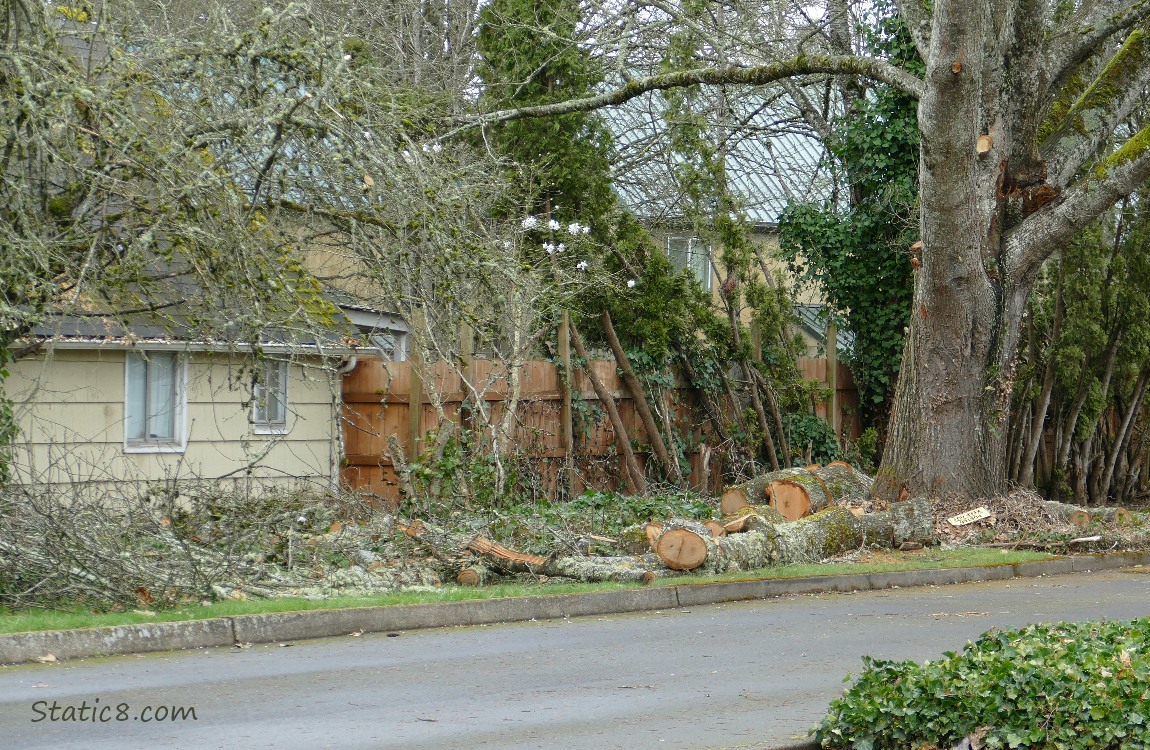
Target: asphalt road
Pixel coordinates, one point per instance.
(746, 675)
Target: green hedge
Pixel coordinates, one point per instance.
(1062, 686)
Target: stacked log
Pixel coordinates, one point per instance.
(797, 493)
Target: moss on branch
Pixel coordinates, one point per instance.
(874, 69)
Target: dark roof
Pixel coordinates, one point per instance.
(142, 330)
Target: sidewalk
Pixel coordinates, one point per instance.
(293, 626)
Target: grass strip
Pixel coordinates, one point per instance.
(35, 620)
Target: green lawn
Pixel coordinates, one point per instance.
(31, 620)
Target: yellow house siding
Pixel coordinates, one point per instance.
(70, 405)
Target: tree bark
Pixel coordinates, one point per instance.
(1122, 439)
(988, 221)
(458, 552)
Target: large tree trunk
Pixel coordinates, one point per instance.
(990, 217)
(952, 401)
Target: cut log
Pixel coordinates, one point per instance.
(653, 530)
(844, 484)
(752, 517)
(736, 525)
(790, 498)
(756, 490)
(1080, 517)
(717, 529)
(736, 498)
(475, 575)
(682, 544)
(828, 533)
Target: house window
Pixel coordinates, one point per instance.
(269, 398)
(689, 253)
(154, 401)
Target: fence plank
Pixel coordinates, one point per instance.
(377, 398)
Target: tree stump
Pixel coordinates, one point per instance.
(845, 484)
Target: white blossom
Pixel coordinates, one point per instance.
(530, 222)
(586, 229)
(553, 225)
(631, 283)
(560, 247)
(573, 228)
(436, 148)
(581, 265)
(548, 248)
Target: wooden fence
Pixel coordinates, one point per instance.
(383, 398)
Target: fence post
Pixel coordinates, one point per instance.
(565, 383)
(415, 405)
(833, 378)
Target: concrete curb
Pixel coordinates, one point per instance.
(19, 648)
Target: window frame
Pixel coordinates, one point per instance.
(261, 423)
(179, 388)
(695, 246)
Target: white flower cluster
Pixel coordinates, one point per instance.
(551, 248)
(574, 228)
(582, 265)
(631, 283)
(434, 148)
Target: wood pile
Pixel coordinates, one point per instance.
(797, 493)
(781, 518)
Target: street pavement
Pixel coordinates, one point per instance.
(754, 674)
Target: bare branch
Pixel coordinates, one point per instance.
(1085, 34)
(725, 75)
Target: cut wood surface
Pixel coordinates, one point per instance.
(682, 544)
(756, 491)
(716, 528)
(837, 483)
(790, 498)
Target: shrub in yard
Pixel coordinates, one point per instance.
(1059, 686)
